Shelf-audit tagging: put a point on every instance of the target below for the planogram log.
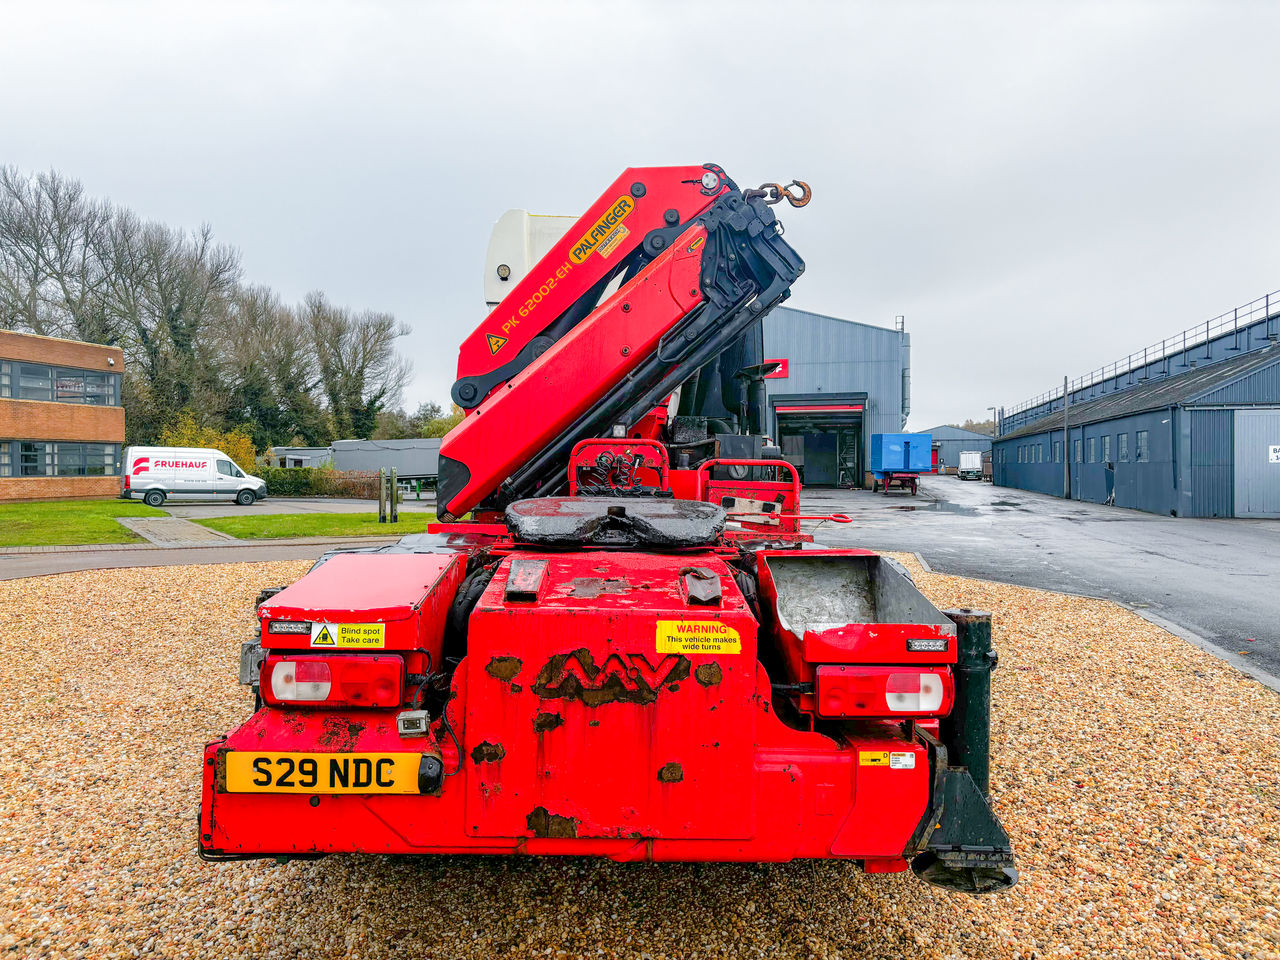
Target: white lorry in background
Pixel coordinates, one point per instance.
(156, 474)
(970, 465)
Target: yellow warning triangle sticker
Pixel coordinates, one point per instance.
(496, 342)
(323, 639)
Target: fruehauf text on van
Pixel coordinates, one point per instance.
(157, 474)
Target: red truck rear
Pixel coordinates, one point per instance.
(660, 665)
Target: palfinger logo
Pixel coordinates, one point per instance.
(141, 465)
(606, 233)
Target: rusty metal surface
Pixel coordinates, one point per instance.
(621, 678)
(601, 728)
(525, 579)
(701, 586)
(503, 668)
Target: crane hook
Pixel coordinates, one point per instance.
(806, 194)
(776, 193)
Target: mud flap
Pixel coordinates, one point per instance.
(960, 845)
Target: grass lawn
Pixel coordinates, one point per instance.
(62, 522)
(273, 525)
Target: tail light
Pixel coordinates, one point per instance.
(349, 680)
(848, 691)
(127, 484)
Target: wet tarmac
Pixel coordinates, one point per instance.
(1215, 578)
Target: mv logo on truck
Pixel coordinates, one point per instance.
(622, 678)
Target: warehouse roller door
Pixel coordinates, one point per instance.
(1257, 466)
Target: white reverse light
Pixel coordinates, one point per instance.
(301, 680)
(913, 692)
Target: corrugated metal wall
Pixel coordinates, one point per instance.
(1028, 464)
(1142, 485)
(409, 458)
(1257, 455)
(828, 355)
(1211, 488)
(1261, 386)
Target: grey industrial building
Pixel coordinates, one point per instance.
(300, 456)
(412, 459)
(838, 382)
(948, 441)
(1189, 428)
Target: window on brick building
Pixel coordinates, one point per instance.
(33, 459)
(86, 459)
(39, 381)
(33, 381)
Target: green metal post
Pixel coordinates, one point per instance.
(967, 731)
(382, 495)
(393, 495)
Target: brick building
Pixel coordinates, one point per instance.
(61, 423)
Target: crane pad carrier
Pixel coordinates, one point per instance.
(618, 641)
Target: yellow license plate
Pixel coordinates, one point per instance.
(322, 772)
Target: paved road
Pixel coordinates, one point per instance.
(1219, 579)
(203, 511)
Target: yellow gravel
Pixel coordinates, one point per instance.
(1138, 776)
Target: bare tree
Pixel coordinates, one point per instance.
(268, 366)
(361, 373)
(195, 339)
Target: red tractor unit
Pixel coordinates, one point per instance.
(618, 641)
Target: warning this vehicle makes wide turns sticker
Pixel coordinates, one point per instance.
(697, 636)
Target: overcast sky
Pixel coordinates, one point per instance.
(1038, 188)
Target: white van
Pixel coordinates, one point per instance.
(156, 474)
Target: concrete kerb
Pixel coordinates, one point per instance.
(1181, 632)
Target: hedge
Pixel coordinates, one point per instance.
(319, 482)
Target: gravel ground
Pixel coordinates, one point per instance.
(1138, 777)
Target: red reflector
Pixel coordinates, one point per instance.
(847, 691)
(350, 680)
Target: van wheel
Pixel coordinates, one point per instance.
(245, 498)
(154, 498)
